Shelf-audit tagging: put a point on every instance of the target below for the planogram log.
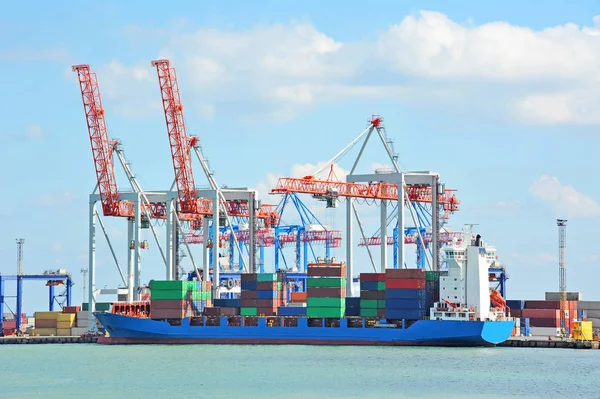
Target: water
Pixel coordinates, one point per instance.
(157, 371)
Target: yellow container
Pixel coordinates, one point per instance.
(582, 330)
(42, 332)
(63, 332)
(65, 324)
(46, 315)
(66, 317)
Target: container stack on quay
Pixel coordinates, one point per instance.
(326, 290)
(372, 295)
(409, 293)
(9, 323)
(177, 299)
(262, 294)
(71, 321)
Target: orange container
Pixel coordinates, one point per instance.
(298, 297)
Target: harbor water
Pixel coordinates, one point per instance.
(213, 371)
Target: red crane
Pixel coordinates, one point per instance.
(373, 190)
(178, 138)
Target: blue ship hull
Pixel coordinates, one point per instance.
(132, 330)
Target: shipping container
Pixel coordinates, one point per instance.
(374, 277)
(325, 292)
(42, 332)
(326, 271)
(368, 312)
(298, 296)
(325, 312)
(372, 295)
(44, 323)
(544, 322)
(266, 277)
(406, 283)
(71, 309)
(571, 296)
(405, 293)
(168, 285)
(247, 277)
(266, 294)
(331, 282)
(404, 274)
(540, 304)
(248, 286)
(589, 305)
(46, 315)
(63, 332)
(541, 313)
(431, 275)
(326, 302)
(406, 304)
(168, 294)
(369, 285)
(167, 313)
(230, 303)
(168, 304)
(372, 304)
(291, 311)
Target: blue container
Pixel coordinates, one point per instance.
(404, 293)
(581, 314)
(291, 311)
(353, 311)
(516, 304)
(226, 303)
(368, 285)
(266, 294)
(352, 302)
(525, 331)
(412, 314)
(248, 286)
(524, 323)
(405, 304)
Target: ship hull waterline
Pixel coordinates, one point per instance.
(127, 330)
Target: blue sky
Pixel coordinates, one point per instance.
(501, 99)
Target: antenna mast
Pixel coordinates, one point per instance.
(562, 265)
(20, 242)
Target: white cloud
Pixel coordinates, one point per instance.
(276, 71)
(590, 258)
(565, 200)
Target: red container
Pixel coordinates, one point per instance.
(372, 295)
(405, 283)
(266, 286)
(212, 311)
(167, 313)
(541, 314)
(325, 292)
(71, 309)
(248, 277)
(541, 304)
(168, 304)
(248, 303)
(327, 271)
(46, 323)
(544, 322)
(266, 311)
(405, 274)
(298, 297)
(516, 313)
(372, 277)
(381, 313)
(249, 295)
(267, 303)
(12, 324)
(228, 311)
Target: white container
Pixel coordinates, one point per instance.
(589, 305)
(544, 331)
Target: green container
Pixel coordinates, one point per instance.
(326, 302)
(368, 312)
(103, 306)
(381, 303)
(280, 286)
(325, 312)
(85, 306)
(431, 275)
(192, 286)
(168, 294)
(326, 282)
(381, 286)
(169, 285)
(248, 311)
(369, 304)
(266, 277)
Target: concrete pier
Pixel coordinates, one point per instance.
(47, 340)
(544, 342)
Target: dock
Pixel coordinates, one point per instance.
(48, 340)
(544, 342)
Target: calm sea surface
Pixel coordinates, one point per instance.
(95, 371)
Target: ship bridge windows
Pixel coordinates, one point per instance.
(455, 254)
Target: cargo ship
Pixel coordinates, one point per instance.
(401, 307)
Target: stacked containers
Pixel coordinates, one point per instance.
(65, 321)
(326, 290)
(372, 295)
(176, 299)
(544, 313)
(261, 294)
(432, 285)
(46, 323)
(406, 294)
(352, 306)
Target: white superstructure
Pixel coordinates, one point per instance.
(464, 283)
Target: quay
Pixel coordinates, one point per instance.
(48, 340)
(544, 342)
